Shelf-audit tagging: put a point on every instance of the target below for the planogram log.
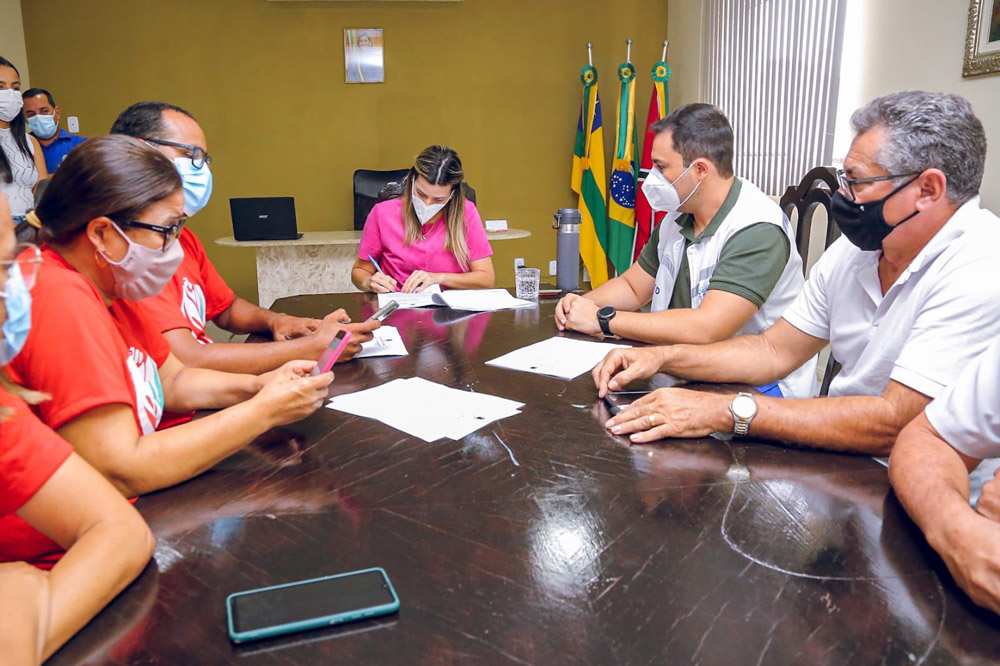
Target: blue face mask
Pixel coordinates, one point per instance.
(17, 300)
(43, 127)
(197, 184)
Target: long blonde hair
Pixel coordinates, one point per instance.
(439, 165)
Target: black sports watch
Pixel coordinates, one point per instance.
(604, 317)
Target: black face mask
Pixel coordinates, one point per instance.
(863, 223)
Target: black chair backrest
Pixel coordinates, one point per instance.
(367, 185)
(371, 187)
(395, 190)
(815, 190)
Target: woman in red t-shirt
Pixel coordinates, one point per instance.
(111, 216)
(55, 491)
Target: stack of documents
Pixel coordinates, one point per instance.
(472, 300)
(385, 341)
(564, 358)
(426, 409)
(481, 300)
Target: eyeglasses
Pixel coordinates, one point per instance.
(199, 157)
(170, 232)
(847, 184)
(27, 265)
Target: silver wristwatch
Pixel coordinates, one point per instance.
(744, 409)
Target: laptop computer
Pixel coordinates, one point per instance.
(264, 218)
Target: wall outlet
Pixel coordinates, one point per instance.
(73, 124)
(519, 263)
(552, 267)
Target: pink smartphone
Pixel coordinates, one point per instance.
(331, 353)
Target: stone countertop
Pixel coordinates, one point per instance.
(346, 238)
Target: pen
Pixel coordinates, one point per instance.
(377, 267)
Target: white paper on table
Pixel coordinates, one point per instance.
(564, 358)
(426, 409)
(386, 341)
(481, 300)
(420, 299)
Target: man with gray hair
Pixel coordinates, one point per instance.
(907, 298)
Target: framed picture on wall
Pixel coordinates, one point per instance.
(364, 55)
(982, 44)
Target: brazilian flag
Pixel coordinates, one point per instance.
(624, 173)
(588, 181)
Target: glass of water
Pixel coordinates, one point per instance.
(526, 281)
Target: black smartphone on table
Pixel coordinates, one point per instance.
(619, 400)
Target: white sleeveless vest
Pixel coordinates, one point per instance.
(752, 206)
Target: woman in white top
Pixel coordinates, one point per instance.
(22, 164)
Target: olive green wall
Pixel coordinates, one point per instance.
(498, 80)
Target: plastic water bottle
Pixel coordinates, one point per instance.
(567, 221)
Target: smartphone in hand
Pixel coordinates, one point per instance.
(384, 311)
(620, 400)
(331, 353)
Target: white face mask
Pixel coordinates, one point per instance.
(10, 104)
(425, 211)
(661, 193)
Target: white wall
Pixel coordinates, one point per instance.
(12, 38)
(919, 44)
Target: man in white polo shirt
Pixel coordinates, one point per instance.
(929, 470)
(907, 298)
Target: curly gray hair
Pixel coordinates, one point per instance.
(928, 130)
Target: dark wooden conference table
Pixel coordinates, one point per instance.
(586, 551)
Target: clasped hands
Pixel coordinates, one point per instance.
(577, 313)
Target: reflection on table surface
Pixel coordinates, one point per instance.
(589, 551)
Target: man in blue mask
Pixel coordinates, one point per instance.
(43, 120)
(906, 299)
(197, 293)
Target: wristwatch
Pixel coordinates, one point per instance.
(744, 409)
(604, 317)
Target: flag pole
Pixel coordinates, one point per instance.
(664, 56)
(628, 52)
(590, 54)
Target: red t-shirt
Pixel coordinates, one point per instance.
(84, 357)
(195, 295)
(30, 453)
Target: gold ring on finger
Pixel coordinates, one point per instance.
(652, 420)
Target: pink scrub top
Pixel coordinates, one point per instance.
(383, 239)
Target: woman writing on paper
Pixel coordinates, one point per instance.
(431, 235)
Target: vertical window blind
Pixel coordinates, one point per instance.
(773, 66)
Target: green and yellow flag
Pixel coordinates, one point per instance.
(588, 181)
(624, 172)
